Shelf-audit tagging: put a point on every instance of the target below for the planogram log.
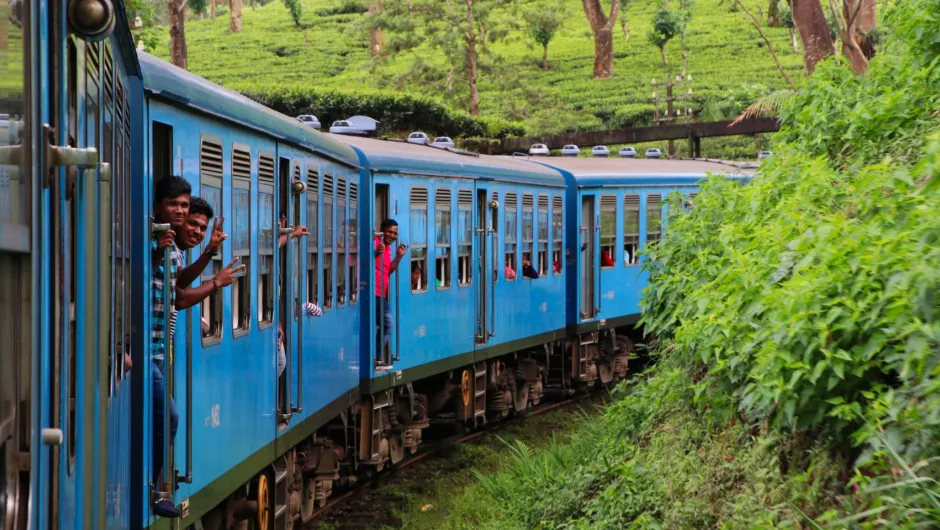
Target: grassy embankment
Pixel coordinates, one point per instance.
(728, 60)
(798, 382)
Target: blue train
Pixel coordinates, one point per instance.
(517, 277)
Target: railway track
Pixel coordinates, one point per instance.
(347, 506)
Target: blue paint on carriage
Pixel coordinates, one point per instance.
(165, 80)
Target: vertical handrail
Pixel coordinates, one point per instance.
(158, 228)
(583, 230)
(597, 267)
(494, 259)
(286, 321)
(379, 341)
(298, 308)
(397, 354)
(187, 477)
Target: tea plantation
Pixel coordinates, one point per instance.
(328, 65)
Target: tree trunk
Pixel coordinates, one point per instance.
(471, 38)
(235, 16)
(862, 18)
(212, 10)
(685, 62)
(773, 14)
(177, 13)
(796, 49)
(603, 39)
(545, 57)
(662, 53)
(376, 35)
(814, 32)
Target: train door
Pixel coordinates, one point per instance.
(290, 278)
(384, 353)
(589, 271)
(485, 234)
(17, 262)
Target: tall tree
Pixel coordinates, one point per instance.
(376, 33)
(235, 16)
(296, 9)
(178, 53)
(855, 31)
(773, 14)
(666, 25)
(814, 32)
(602, 27)
(212, 10)
(543, 24)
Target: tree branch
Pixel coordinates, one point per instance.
(770, 46)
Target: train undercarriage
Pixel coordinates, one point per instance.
(382, 429)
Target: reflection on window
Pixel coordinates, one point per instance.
(419, 239)
(654, 218)
(511, 235)
(631, 229)
(442, 226)
(608, 230)
(557, 227)
(464, 237)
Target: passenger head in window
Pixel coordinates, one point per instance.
(528, 271)
(508, 271)
(606, 260)
(171, 201)
(193, 230)
(415, 276)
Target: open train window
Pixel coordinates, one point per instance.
(542, 212)
(353, 231)
(328, 241)
(465, 237)
(266, 239)
(512, 225)
(691, 201)
(528, 229)
(557, 226)
(241, 238)
(313, 226)
(210, 179)
(341, 263)
(442, 225)
(608, 231)
(419, 239)
(631, 229)
(654, 218)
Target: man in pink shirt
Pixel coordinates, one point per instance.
(384, 267)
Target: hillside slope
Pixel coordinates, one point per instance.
(728, 61)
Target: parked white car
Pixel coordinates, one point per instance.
(653, 152)
(570, 150)
(600, 151)
(309, 120)
(538, 150)
(344, 127)
(627, 152)
(418, 138)
(763, 155)
(442, 142)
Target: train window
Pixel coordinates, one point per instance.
(557, 226)
(512, 226)
(327, 241)
(313, 226)
(442, 224)
(654, 217)
(419, 239)
(266, 239)
(241, 239)
(353, 230)
(608, 230)
(528, 214)
(465, 237)
(543, 234)
(341, 264)
(631, 229)
(210, 179)
(691, 201)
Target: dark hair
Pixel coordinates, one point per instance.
(169, 187)
(199, 205)
(388, 223)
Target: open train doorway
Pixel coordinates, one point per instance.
(382, 354)
(588, 260)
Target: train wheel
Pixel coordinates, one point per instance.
(263, 501)
(396, 449)
(520, 398)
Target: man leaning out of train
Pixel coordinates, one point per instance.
(384, 267)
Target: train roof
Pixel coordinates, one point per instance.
(642, 171)
(393, 156)
(165, 80)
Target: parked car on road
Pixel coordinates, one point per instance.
(627, 152)
(418, 138)
(570, 150)
(600, 150)
(653, 152)
(763, 155)
(309, 120)
(442, 142)
(538, 149)
(344, 127)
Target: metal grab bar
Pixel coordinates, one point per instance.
(397, 355)
(379, 343)
(494, 259)
(187, 477)
(159, 228)
(298, 276)
(285, 320)
(597, 267)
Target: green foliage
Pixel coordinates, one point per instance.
(726, 62)
(197, 7)
(296, 9)
(543, 24)
(666, 24)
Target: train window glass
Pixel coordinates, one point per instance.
(313, 226)
(691, 201)
(631, 229)
(121, 201)
(419, 239)
(210, 179)
(557, 226)
(241, 238)
(328, 241)
(528, 230)
(341, 263)
(608, 231)
(266, 239)
(512, 226)
(543, 234)
(353, 231)
(464, 237)
(654, 218)
(442, 225)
